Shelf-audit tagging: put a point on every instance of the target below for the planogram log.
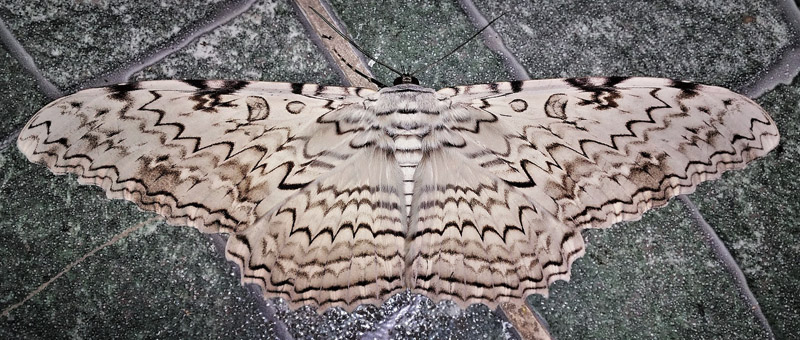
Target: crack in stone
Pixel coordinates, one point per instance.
(493, 40)
(337, 51)
(10, 139)
(728, 262)
(267, 310)
(18, 52)
(785, 68)
(190, 33)
(782, 71)
(21, 55)
(69, 267)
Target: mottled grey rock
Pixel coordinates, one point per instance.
(756, 212)
(76, 40)
(267, 43)
(724, 43)
(19, 97)
(408, 35)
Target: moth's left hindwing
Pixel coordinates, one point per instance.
(535, 162)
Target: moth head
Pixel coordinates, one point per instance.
(406, 79)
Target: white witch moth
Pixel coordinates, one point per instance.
(338, 196)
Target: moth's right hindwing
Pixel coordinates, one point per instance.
(241, 157)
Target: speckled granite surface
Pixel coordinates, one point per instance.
(14, 83)
(724, 43)
(756, 212)
(96, 36)
(267, 42)
(655, 278)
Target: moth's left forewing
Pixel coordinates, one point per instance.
(595, 151)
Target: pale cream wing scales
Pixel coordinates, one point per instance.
(476, 239)
(595, 151)
(202, 153)
(279, 165)
(338, 241)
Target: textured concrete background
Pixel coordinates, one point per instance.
(655, 278)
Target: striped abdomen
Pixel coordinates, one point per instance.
(407, 135)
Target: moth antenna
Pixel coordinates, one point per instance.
(357, 71)
(423, 68)
(345, 37)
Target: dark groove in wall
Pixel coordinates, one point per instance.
(10, 139)
(787, 65)
(267, 310)
(19, 53)
(340, 24)
(494, 42)
(728, 262)
(310, 34)
(149, 57)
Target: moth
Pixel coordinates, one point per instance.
(340, 196)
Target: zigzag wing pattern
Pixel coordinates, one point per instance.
(212, 154)
(521, 167)
(342, 196)
(280, 166)
(595, 151)
(478, 239)
(337, 242)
